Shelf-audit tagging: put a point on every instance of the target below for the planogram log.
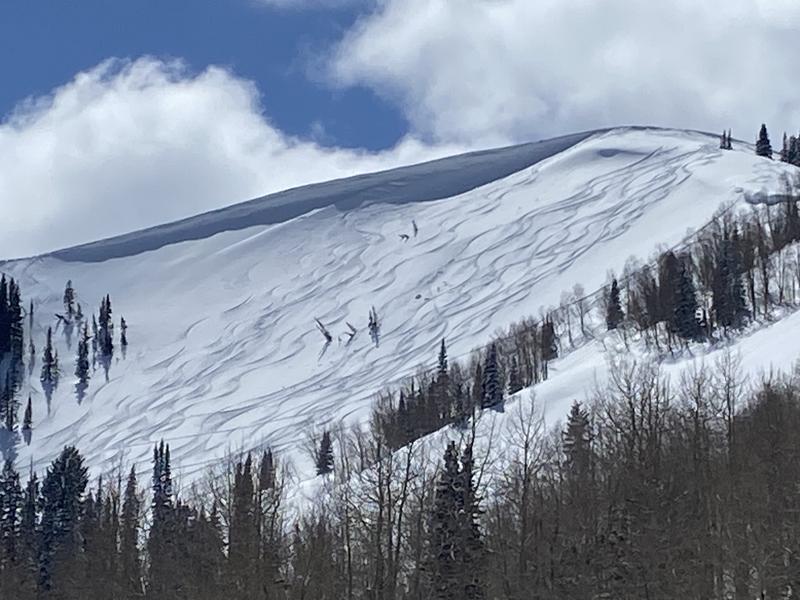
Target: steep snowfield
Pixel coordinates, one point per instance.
(224, 353)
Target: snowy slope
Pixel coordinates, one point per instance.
(223, 350)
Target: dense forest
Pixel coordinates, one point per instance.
(651, 488)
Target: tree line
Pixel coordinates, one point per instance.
(650, 489)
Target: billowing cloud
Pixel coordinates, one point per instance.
(497, 70)
(132, 144)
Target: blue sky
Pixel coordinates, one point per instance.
(44, 43)
(120, 115)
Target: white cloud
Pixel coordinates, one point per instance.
(496, 70)
(132, 144)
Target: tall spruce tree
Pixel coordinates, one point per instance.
(576, 441)
(442, 367)
(11, 500)
(763, 145)
(162, 540)
(130, 564)
(685, 304)
(243, 546)
(474, 554)
(8, 405)
(105, 328)
(492, 389)
(325, 454)
(16, 340)
(728, 294)
(50, 371)
(27, 423)
(549, 341)
(441, 388)
(514, 377)
(123, 332)
(82, 363)
(614, 314)
(61, 503)
(456, 562)
(69, 300)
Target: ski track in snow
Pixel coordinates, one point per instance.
(224, 353)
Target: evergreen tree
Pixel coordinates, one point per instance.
(685, 305)
(69, 300)
(729, 145)
(785, 148)
(470, 535)
(763, 146)
(456, 549)
(723, 141)
(243, 544)
(8, 406)
(27, 423)
(82, 363)
(514, 377)
(95, 334)
(130, 565)
(442, 361)
(577, 440)
(492, 390)
(444, 530)
(61, 502)
(162, 540)
(441, 388)
(28, 547)
(549, 341)
(105, 328)
(10, 513)
(266, 471)
(16, 340)
(325, 455)
(614, 314)
(123, 332)
(728, 295)
(50, 371)
(793, 156)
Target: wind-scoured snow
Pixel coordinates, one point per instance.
(224, 353)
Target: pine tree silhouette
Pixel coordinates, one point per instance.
(325, 455)
(763, 145)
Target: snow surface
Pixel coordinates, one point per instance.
(224, 353)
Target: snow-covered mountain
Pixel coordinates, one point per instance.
(224, 351)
